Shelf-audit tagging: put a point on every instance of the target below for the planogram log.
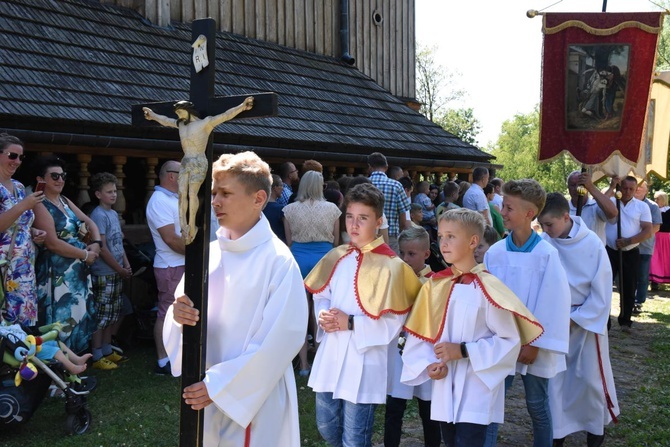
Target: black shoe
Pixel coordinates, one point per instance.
(164, 371)
(637, 309)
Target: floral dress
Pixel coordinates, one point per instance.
(64, 284)
(20, 304)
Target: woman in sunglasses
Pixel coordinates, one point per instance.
(17, 252)
(63, 280)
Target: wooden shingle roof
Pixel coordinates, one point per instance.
(77, 66)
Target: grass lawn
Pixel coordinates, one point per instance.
(134, 407)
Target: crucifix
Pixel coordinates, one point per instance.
(195, 190)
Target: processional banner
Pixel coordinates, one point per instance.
(596, 82)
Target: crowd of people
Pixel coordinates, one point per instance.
(387, 328)
(344, 268)
(60, 267)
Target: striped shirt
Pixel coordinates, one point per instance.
(395, 199)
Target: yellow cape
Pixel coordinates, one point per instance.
(427, 318)
(383, 283)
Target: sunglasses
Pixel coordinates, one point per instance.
(56, 175)
(14, 156)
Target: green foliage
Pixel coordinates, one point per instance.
(517, 150)
(462, 123)
(434, 83)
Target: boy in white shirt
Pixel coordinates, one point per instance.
(465, 332)
(362, 293)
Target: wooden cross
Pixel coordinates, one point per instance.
(197, 252)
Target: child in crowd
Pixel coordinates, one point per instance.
(532, 269)
(108, 272)
(496, 218)
(423, 189)
(583, 397)
(465, 332)
(362, 293)
(414, 246)
(416, 215)
(490, 237)
(450, 193)
(256, 325)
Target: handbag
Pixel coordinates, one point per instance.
(84, 234)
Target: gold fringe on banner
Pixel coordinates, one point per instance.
(602, 32)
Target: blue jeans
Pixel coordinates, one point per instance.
(642, 279)
(463, 434)
(342, 423)
(537, 402)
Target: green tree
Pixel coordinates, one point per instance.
(462, 123)
(435, 86)
(517, 149)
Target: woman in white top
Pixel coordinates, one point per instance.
(312, 227)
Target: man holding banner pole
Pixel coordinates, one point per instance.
(635, 227)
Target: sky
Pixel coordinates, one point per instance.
(495, 51)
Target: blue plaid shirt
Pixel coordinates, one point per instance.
(286, 194)
(395, 199)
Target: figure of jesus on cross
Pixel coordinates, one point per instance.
(194, 134)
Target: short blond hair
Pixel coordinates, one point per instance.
(252, 172)
(528, 190)
(468, 219)
(415, 234)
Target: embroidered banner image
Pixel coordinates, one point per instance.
(596, 80)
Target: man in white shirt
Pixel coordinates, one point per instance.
(474, 197)
(163, 221)
(635, 227)
(597, 210)
(646, 247)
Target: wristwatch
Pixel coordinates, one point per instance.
(97, 242)
(350, 323)
(464, 350)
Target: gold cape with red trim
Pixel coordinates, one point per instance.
(383, 282)
(427, 318)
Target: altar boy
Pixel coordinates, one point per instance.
(362, 293)
(465, 332)
(255, 323)
(532, 268)
(582, 398)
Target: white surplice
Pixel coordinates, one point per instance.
(540, 282)
(394, 387)
(474, 389)
(352, 364)
(577, 395)
(256, 324)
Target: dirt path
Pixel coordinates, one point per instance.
(625, 350)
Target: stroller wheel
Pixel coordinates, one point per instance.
(78, 423)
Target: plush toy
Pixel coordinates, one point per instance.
(27, 371)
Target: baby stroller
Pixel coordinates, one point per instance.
(25, 381)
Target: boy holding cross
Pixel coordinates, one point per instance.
(255, 324)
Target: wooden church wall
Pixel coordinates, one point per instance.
(381, 32)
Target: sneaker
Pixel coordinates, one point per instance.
(626, 329)
(116, 358)
(164, 371)
(104, 364)
(637, 309)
